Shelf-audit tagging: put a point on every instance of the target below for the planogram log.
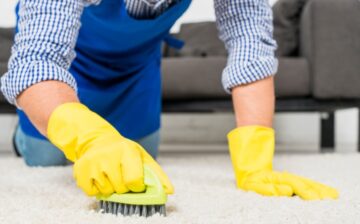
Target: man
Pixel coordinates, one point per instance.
(113, 87)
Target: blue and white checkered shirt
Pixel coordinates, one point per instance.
(44, 45)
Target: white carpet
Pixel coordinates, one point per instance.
(205, 193)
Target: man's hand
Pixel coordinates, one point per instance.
(252, 149)
(105, 161)
(272, 183)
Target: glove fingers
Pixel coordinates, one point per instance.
(85, 182)
(88, 187)
(168, 187)
(147, 159)
(269, 189)
(325, 192)
(114, 175)
(133, 171)
(328, 192)
(103, 184)
(300, 187)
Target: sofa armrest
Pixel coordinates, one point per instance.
(330, 40)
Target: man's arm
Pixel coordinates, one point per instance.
(246, 27)
(39, 82)
(38, 79)
(41, 99)
(254, 103)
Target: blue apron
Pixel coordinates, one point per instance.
(117, 67)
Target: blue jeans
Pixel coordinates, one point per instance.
(40, 152)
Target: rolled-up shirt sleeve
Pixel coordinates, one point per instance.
(44, 44)
(246, 27)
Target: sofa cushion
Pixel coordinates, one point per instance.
(201, 40)
(287, 15)
(3, 69)
(191, 78)
(293, 78)
(6, 40)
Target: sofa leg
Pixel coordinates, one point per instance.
(327, 132)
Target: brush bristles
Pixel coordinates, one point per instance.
(129, 210)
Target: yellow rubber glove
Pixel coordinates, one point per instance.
(105, 161)
(251, 151)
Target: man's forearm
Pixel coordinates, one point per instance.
(43, 50)
(254, 103)
(40, 100)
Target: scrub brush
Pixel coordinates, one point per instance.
(151, 201)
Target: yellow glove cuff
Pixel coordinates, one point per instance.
(251, 149)
(72, 127)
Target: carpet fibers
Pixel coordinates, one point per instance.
(205, 193)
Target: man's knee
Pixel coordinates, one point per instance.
(55, 158)
(38, 152)
(151, 143)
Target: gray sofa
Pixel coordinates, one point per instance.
(326, 67)
(322, 72)
(319, 63)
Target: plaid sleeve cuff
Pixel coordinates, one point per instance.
(239, 72)
(246, 28)
(44, 45)
(20, 78)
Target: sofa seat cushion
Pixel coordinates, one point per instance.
(293, 78)
(3, 69)
(6, 41)
(194, 78)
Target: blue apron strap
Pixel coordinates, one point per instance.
(174, 42)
